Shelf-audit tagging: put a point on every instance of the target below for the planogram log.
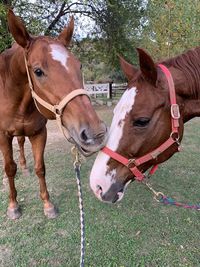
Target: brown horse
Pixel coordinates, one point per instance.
(54, 73)
(147, 127)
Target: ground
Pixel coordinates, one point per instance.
(136, 232)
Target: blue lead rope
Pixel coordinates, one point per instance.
(170, 201)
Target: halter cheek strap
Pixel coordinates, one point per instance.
(55, 109)
(133, 164)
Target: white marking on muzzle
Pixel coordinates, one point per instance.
(100, 175)
(59, 54)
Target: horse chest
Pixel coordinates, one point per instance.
(18, 115)
(23, 124)
(29, 125)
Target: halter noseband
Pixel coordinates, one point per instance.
(58, 108)
(173, 139)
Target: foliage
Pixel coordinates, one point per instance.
(111, 37)
(104, 29)
(172, 26)
(119, 22)
(95, 68)
(5, 39)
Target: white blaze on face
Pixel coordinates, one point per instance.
(59, 54)
(99, 175)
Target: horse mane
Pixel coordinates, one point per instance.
(189, 64)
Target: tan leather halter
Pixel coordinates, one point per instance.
(55, 109)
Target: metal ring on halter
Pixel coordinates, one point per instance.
(56, 110)
(130, 161)
(176, 139)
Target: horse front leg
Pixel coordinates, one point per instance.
(10, 167)
(5, 178)
(22, 159)
(38, 143)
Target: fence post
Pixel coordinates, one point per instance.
(109, 96)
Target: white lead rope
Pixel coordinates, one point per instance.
(77, 167)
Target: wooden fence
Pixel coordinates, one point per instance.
(109, 89)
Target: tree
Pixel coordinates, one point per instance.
(119, 22)
(5, 39)
(164, 27)
(172, 26)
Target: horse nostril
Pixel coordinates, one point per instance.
(83, 135)
(121, 191)
(99, 190)
(86, 137)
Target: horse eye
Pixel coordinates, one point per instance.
(81, 66)
(38, 72)
(141, 122)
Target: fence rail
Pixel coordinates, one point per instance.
(109, 89)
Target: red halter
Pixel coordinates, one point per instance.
(174, 136)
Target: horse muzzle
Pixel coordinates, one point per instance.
(114, 194)
(89, 141)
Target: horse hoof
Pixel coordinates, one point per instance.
(14, 213)
(51, 213)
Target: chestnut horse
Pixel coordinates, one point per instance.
(42, 67)
(148, 122)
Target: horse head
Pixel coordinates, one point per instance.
(54, 74)
(141, 123)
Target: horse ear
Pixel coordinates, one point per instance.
(18, 30)
(66, 35)
(147, 66)
(128, 69)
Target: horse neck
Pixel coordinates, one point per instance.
(17, 67)
(185, 70)
(15, 81)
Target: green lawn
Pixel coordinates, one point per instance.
(136, 232)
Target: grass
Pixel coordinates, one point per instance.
(134, 233)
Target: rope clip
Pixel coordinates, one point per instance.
(157, 195)
(77, 157)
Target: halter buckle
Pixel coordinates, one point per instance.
(175, 112)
